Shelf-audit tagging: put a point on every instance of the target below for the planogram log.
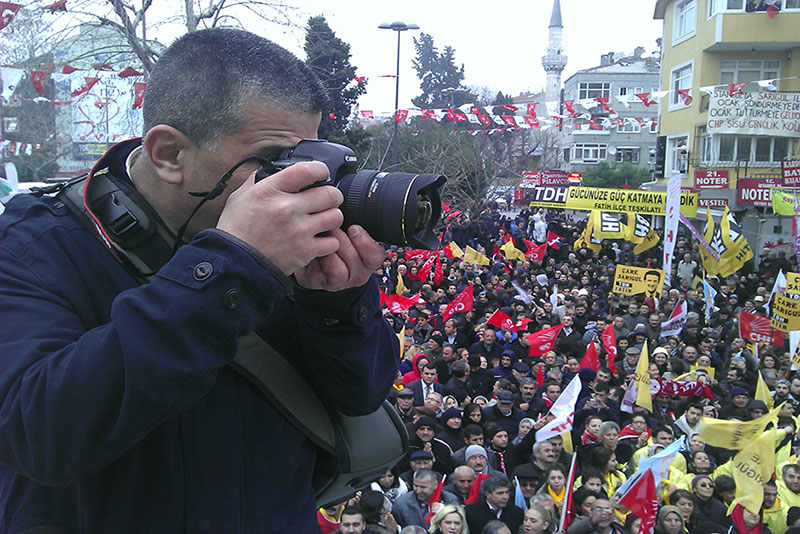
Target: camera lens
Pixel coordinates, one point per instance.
(394, 207)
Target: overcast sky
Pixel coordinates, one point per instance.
(500, 45)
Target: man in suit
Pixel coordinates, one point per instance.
(426, 385)
(495, 505)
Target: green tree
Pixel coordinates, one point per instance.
(329, 58)
(440, 79)
(615, 175)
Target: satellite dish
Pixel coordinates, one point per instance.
(612, 150)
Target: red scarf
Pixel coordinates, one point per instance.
(737, 516)
(588, 438)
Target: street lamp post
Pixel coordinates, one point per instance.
(397, 27)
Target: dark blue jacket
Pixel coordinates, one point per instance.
(118, 409)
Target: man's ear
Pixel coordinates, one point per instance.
(167, 148)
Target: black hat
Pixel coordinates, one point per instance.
(424, 421)
(521, 367)
(405, 392)
(505, 397)
(474, 361)
(438, 338)
(420, 455)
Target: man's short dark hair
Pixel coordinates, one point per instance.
(663, 428)
(430, 365)
(493, 527)
(353, 510)
(472, 430)
(201, 82)
(602, 387)
(494, 482)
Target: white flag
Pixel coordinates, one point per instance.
(11, 78)
(709, 294)
(629, 399)
(674, 325)
(778, 287)
(673, 210)
(658, 463)
(563, 410)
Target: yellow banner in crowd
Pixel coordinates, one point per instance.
(644, 397)
(626, 200)
(474, 257)
(785, 312)
(793, 283)
(752, 468)
(734, 435)
(783, 200)
(635, 280)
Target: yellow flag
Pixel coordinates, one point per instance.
(734, 435)
(512, 252)
(607, 226)
(566, 438)
(455, 250)
(402, 337)
(762, 392)
(737, 250)
(643, 396)
(587, 238)
(475, 257)
(710, 265)
(401, 287)
(752, 468)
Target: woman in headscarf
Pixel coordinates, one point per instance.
(670, 521)
(420, 360)
(745, 522)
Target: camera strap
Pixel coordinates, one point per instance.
(352, 451)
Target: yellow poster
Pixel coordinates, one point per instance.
(734, 435)
(752, 468)
(785, 312)
(635, 280)
(793, 283)
(626, 200)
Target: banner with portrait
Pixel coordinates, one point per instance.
(637, 280)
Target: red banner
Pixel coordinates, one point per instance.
(759, 329)
(682, 389)
(399, 303)
(544, 341)
(537, 253)
(609, 339)
(462, 303)
(711, 179)
(756, 191)
(791, 172)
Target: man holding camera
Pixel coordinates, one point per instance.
(119, 409)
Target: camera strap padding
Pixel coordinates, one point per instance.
(351, 451)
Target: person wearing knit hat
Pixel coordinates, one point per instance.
(423, 438)
(793, 517)
(451, 433)
(477, 459)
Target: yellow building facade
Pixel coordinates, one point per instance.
(707, 46)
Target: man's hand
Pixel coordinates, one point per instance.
(351, 265)
(290, 227)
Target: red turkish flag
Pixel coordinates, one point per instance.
(7, 13)
(540, 375)
(360, 79)
(501, 320)
(437, 494)
(85, 88)
(508, 119)
(609, 338)
(736, 88)
(332, 115)
(485, 119)
(553, 240)
(399, 303)
(401, 115)
(569, 105)
(590, 359)
(139, 89)
(645, 98)
(68, 69)
(641, 121)
(37, 77)
(462, 303)
(127, 72)
(367, 114)
(532, 109)
(685, 96)
(543, 341)
(537, 252)
(772, 11)
(642, 500)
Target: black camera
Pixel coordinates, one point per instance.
(394, 207)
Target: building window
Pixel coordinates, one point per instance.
(629, 127)
(594, 90)
(625, 154)
(677, 154)
(588, 153)
(654, 126)
(721, 6)
(791, 4)
(684, 22)
(748, 70)
(680, 78)
(566, 155)
(623, 91)
(753, 149)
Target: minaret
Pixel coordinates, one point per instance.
(555, 61)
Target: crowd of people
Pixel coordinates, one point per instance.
(473, 397)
